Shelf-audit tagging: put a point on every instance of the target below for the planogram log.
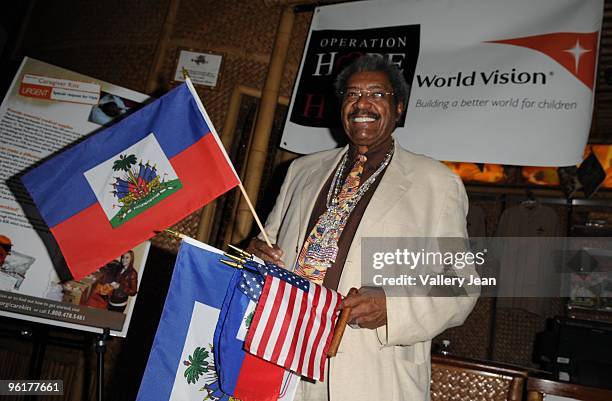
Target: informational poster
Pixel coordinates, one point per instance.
(46, 109)
(492, 81)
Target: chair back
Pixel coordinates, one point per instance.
(460, 379)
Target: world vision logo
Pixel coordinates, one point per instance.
(576, 52)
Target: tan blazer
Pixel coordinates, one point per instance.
(417, 197)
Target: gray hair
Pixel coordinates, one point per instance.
(375, 62)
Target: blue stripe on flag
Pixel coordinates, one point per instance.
(59, 187)
(229, 352)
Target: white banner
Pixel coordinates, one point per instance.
(493, 81)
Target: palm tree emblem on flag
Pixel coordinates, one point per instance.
(200, 364)
(138, 186)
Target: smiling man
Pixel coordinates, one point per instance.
(370, 188)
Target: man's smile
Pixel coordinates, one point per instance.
(363, 117)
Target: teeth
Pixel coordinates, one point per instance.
(363, 119)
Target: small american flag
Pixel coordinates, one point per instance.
(251, 285)
(293, 323)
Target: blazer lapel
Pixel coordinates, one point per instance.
(393, 185)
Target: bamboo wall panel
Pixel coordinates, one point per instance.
(246, 47)
(112, 40)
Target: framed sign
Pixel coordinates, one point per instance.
(203, 68)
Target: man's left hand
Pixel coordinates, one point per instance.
(368, 307)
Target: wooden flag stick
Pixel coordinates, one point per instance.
(339, 331)
(236, 262)
(234, 258)
(185, 73)
(231, 264)
(252, 209)
(242, 253)
(244, 193)
(175, 233)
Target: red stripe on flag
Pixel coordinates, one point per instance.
(286, 320)
(331, 323)
(307, 333)
(262, 383)
(87, 239)
(332, 327)
(274, 313)
(318, 335)
(294, 325)
(302, 321)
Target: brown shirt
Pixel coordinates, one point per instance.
(375, 157)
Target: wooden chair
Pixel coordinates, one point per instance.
(538, 388)
(459, 379)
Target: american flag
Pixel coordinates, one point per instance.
(251, 285)
(293, 323)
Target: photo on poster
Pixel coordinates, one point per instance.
(103, 299)
(109, 108)
(14, 265)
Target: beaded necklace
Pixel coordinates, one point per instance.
(336, 186)
(321, 248)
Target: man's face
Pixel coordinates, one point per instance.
(368, 121)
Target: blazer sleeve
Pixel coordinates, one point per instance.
(412, 319)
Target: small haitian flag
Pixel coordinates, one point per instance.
(246, 377)
(112, 191)
(183, 362)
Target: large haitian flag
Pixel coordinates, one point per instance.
(112, 191)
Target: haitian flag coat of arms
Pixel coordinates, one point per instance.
(110, 192)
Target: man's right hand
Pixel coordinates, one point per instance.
(260, 249)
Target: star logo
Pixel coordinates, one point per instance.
(575, 51)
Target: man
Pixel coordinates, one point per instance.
(320, 217)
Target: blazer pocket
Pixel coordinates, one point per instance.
(409, 353)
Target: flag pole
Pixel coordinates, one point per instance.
(236, 262)
(242, 189)
(252, 209)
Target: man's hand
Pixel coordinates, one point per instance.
(260, 249)
(368, 307)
